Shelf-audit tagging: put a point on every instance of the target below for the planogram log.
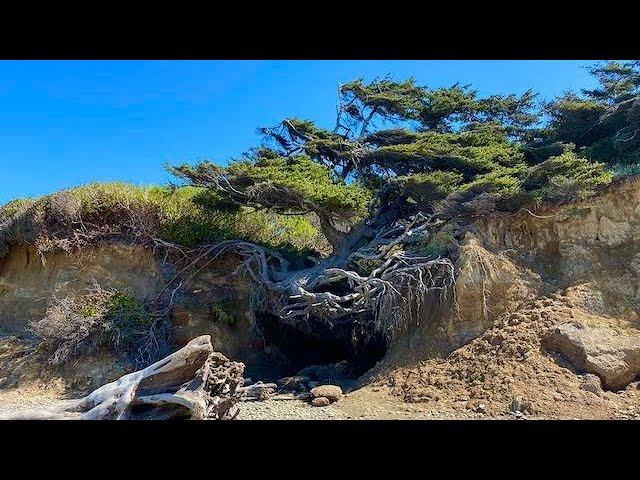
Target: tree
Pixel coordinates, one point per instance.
(618, 81)
(602, 123)
(392, 172)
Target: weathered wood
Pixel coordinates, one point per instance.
(195, 382)
(258, 391)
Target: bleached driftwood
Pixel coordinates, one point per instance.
(258, 391)
(194, 382)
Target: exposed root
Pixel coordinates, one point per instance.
(393, 293)
(194, 382)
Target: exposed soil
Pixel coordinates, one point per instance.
(507, 363)
(517, 277)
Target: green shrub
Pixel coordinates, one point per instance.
(438, 245)
(80, 325)
(222, 313)
(566, 177)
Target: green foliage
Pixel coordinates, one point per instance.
(425, 188)
(222, 313)
(438, 245)
(127, 312)
(300, 174)
(566, 176)
(187, 215)
(385, 98)
(501, 181)
(13, 208)
(456, 107)
(477, 149)
(618, 81)
(574, 119)
(603, 123)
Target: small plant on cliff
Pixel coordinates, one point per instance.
(102, 318)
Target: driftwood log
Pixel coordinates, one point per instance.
(258, 391)
(193, 383)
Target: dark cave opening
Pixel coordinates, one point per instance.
(351, 341)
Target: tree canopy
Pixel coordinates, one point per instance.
(400, 146)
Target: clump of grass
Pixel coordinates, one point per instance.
(221, 313)
(187, 216)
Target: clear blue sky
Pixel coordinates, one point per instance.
(64, 123)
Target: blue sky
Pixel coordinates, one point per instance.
(65, 123)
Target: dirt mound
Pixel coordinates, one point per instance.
(508, 362)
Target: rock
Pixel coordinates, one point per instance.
(326, 373)
(309, 371)
(292, 383)
(520, 404)
(320, 402)
(480, 408)
(332, 392)
(591, 383)
(612, 356)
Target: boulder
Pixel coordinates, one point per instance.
(332, 392)
(320, 402)
(520, 404)
(293, 383)
(607, 353)
(591, 383)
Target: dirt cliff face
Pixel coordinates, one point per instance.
(545, 319)
(518, 277)
(595, 242)
(507, 260)
(28, 285)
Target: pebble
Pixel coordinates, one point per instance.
(291, 410)
(320, 402)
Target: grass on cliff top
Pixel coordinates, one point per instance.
(188, 216)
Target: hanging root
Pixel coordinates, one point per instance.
(395, 293)
(333, 290)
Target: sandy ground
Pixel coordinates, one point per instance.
(363, 404)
